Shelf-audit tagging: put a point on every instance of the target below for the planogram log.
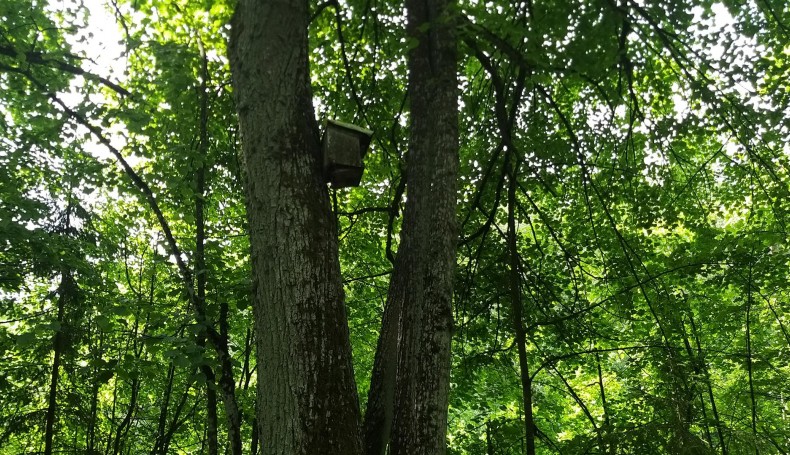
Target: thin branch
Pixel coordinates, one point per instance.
(145, 189)
(320, 9)
(367, 277)
(365, 210)
(35, 315)
(39, 58)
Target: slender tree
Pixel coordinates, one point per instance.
(65, 291)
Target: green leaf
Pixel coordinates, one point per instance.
(26, 339)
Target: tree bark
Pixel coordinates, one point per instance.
(428, 238)
(227, 385)
(377, 427)
(307, 399)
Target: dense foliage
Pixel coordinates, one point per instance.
(623, 206)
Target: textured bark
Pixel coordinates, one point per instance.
(428, 237)
(307, 399)
(377, 426)
(227, 385)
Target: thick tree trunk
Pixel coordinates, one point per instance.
(429, 234)
(307, 399)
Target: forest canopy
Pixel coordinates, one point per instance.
(621, 282)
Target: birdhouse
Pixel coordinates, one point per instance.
(343, 146)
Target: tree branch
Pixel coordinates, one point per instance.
(39, 58)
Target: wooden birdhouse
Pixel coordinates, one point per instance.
(343, 146)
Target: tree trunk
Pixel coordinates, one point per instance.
(708, 385)
(609, 445)
(379, 413)
(428, 237)
(200, 251)
(516, 309)
(64, 291)
(90, 439)
(749, 359)
(307, 399)
(489, 439)
(163, 410)
(212, 439)
(254, 442)
(226, 384)
(176, 422)
(123, 427)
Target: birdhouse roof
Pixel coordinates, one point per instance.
(364, 133)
